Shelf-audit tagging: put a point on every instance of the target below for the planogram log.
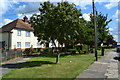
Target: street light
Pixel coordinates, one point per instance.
(95, 29)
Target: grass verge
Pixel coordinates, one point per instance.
(44, 66)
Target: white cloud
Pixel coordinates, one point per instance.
(115, 37)
(84, 3)
(20, 16)
(5, 21)
(111, 5)
(117, 15)
(86, 16)
(1, 24)
(30, 7)
(27, 10)
(111, 29)
(118, 20)
(81, 3)
(5, 5)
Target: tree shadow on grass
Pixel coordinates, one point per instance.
(26, 64)
(55, 55)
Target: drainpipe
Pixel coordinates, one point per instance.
(9, 41)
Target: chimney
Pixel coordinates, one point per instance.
(25, 19)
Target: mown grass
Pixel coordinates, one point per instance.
(44, 66)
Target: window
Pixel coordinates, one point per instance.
(18, 44)
(27, 33)
(19, 32)
(27, 44)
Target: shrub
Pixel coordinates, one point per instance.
(27, 51)
(78, 47)
(37, 50)
(73, 51)
(69, 46)
(33, 50)
(85, 48)
(46, 50)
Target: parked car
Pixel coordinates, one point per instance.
(118, 48)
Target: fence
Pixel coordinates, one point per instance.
(8, 55)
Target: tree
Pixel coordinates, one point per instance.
(109, 40)
(102, 22)
(59, 22)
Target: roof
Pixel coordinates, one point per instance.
(16, 24)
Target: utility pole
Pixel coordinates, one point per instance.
(95, 29)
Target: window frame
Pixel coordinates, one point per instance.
(19, 43)
(26, 33)
(19, 33)
(27, 44)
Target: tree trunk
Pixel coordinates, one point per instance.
(58, 54)
(57, 58)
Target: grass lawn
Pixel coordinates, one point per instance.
(43, 66)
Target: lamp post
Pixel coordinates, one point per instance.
(95, 29)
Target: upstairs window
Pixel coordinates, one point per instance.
(27, 33)
(19, 32)
(18, 44)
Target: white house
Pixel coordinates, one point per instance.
(18, 34)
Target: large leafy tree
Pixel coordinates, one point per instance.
(58, 22)
(109, 40)
(102, 29)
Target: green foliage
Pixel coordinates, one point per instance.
(46, 50)
(37, 49)
(73, 51)
(29, 51)
(78, 47)
(102, 22)
(69, 46)
(59, 22)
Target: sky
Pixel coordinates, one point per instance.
(14, 9)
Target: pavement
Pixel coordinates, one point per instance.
(106, 68)
(7, 67)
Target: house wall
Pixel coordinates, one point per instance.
(32, 39)
(12, 38)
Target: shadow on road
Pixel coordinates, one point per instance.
(117, 58)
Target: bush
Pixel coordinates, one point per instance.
(27, 51)
(37, 50)
(85, 48)
(46, 50)
(78, 47)
(107, 47)
(69, 46)
(73, 51)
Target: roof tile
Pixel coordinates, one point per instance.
(18, 24)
